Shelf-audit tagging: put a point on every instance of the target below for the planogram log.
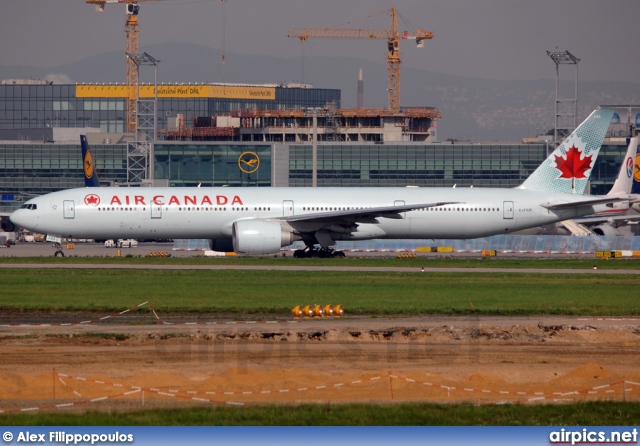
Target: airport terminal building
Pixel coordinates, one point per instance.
(271, 145)
(34, 104)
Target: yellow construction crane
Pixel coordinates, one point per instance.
(393, 46)
(131, 29)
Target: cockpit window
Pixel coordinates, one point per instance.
(30, 206)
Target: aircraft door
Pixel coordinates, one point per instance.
(69, 209)
(156, 210)
(507, 210)
(287, 208)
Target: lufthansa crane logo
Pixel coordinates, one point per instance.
(249, 162)
(636, 169)
(88, 165)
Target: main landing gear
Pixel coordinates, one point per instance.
(323, 253)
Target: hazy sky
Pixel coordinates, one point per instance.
(492, 39)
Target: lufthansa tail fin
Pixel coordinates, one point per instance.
(625, 176)
(569, 167)
(636, 175)
(90, 174)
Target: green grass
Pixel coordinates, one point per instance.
(369, 293)
(426, 261)
(408, 414)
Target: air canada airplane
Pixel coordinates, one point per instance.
(262, 220)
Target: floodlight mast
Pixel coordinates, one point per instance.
(566, 109)
(140, 155)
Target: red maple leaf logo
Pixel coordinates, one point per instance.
(573, 166)
(92, 200)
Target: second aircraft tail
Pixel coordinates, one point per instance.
(624, 182)
(636, 175)
(90, 174)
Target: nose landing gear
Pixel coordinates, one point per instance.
(59, 252)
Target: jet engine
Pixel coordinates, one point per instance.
(605, 229)
(260, 236)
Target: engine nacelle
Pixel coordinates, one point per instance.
(605, 229)
(260, 237)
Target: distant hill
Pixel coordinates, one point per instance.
(472, 108)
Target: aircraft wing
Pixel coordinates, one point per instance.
(588, 202)
(354, 215)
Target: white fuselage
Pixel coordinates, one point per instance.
(170, 213)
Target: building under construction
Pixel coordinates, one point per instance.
(328, 123)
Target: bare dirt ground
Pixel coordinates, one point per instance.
(128, 364)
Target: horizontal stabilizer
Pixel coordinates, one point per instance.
(588, 202)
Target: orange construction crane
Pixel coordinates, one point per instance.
(131, 29)
(393, 46)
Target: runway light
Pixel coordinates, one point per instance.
(338, 311)
(318, 311)
(328, 311)
(308, 311)
(297, 311)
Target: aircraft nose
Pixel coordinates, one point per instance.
(21, 218)
(16, 217)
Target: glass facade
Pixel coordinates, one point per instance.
(428, 165)
(189, 164)
(438, 165)
(52, 105)
(40, 106)
(28, 169)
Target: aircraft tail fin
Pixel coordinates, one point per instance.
(635, 188)
(569, 167)
(624, 181)
(90, 174)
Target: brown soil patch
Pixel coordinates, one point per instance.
(364, 362)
